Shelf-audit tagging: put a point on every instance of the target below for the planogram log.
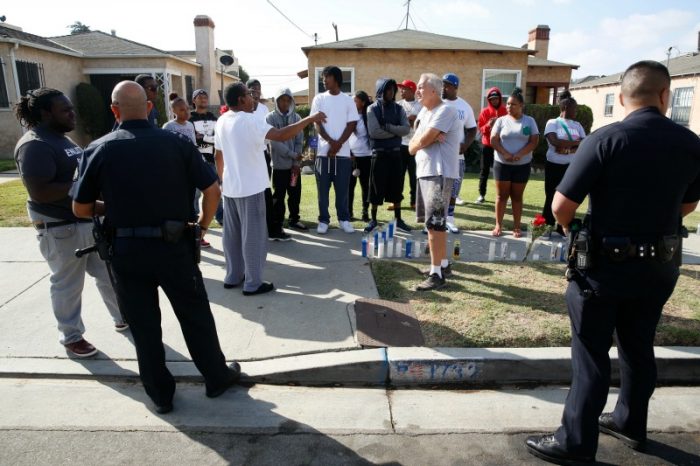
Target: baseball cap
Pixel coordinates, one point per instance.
(198, 92)
(451, 78)
(409, 84)
(493, 94)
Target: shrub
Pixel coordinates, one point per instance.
(543, 113)
(91, 110)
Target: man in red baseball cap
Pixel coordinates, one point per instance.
(411, 106)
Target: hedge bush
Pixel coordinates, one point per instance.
(91, 110)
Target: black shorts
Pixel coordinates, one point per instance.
(512, 173)
(386, 177)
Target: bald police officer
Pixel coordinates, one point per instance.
(643, 176)
(147, 178)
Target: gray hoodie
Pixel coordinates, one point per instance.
(284, 154)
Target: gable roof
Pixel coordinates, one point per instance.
(100, 44)
(15, 34)
(536, 61)
(416, 40)
(680, 66)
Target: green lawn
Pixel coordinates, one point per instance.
(507, 304)
(7, 164)
(469, 216)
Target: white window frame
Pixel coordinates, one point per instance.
(4, 82)
(612, 105)
(674, 107)
(317, 73)
(518, 81)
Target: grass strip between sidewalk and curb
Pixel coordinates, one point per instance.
(513, 304)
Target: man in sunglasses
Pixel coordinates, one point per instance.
(150, 85)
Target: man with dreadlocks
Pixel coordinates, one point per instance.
(47, 161)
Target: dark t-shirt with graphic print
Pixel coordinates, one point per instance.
(42, 153)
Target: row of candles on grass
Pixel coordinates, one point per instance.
(382, 244)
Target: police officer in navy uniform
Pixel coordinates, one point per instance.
(643, 176)
(147, 177)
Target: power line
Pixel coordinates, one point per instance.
(312, 36)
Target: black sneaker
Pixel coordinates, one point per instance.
(401, 225)
(446, 271)
(282, 236)
(297, 225)
(371, 226)
(433, 282)
(265, 287)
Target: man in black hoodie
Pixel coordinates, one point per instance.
(386, 124)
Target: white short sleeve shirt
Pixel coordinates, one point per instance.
(241, 138)
(340, 110)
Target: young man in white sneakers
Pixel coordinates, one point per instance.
(465, 113)
(333, 163)
(436, 147)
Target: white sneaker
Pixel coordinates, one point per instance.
(480, 200)
(322, 228)
(459, 201)
(452, 228)
(346, 226)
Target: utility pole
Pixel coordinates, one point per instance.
(335, 26)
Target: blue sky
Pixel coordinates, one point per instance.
(602, 37)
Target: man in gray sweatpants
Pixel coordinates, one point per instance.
(238, 141)
(47, 162)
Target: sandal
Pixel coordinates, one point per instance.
(496, 232)
(517, 233)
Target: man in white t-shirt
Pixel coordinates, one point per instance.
(436, 147)
(238, 140)
(450, 84)
(333, 163)
(412, 107)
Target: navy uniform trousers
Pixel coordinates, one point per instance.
(140, 266)
(628, 301)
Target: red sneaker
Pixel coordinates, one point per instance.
(204, 243)
(81, 349)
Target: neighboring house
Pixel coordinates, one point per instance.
(30, 61)
(301, 97)
(602, 94)
(405, 54)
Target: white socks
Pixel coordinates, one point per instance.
(444, 263)
(436, 269)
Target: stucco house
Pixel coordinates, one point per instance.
(406, 53)
(601, 94)
(29, 61)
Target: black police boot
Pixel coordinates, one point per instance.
(607, 426)
(548, 448)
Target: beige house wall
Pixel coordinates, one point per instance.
(595, 98)
(553, 74)
(409, 64)
(62, 72)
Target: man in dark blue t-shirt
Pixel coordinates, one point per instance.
(642, 175)
(147, 211)
(47, 161)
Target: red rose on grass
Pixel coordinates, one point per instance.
(539, 220)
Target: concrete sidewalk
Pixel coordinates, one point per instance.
(301, 333)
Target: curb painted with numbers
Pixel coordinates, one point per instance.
(399, 367)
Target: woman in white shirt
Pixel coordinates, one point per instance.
(361, 156)
(563, 134)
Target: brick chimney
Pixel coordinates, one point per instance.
(205, 53)
(538, 39)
